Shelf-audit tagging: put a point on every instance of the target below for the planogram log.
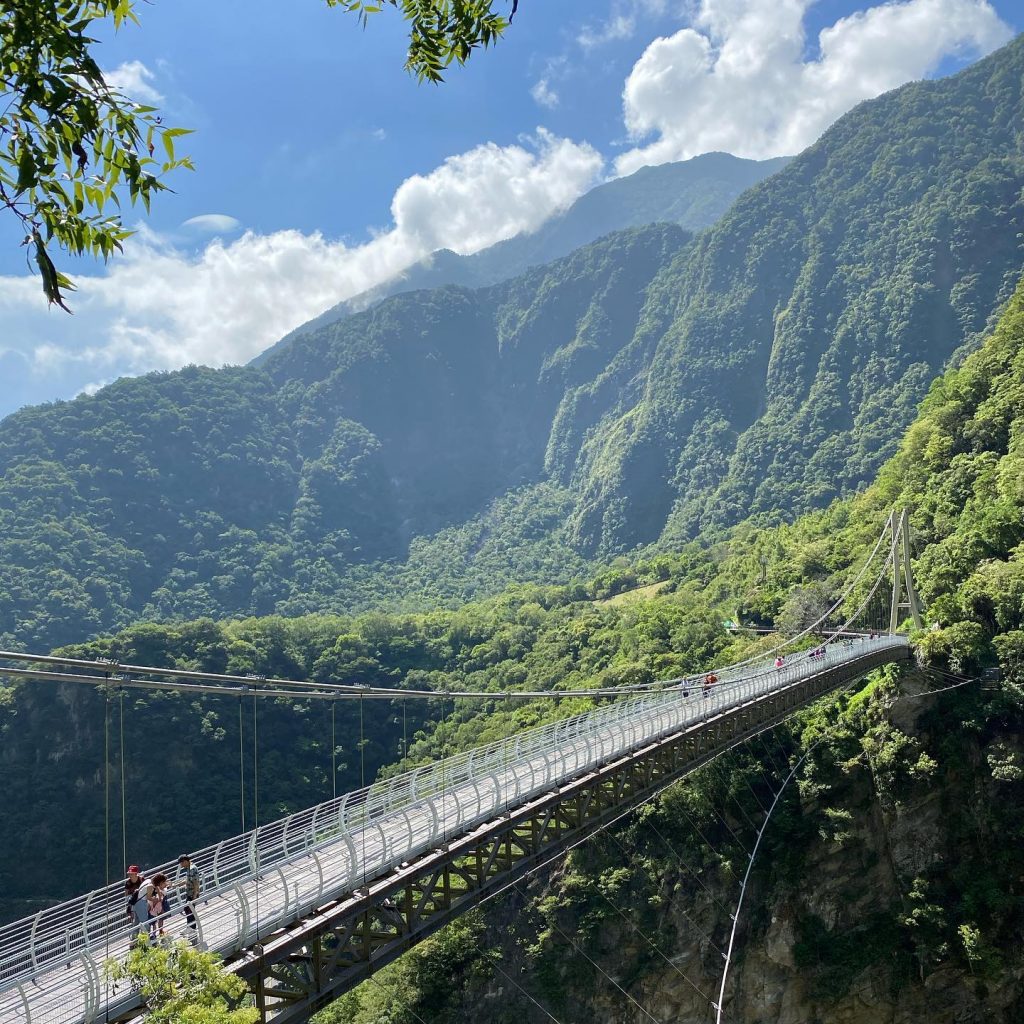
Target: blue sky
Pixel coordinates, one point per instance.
(322, 168)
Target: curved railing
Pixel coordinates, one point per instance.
(266, 878)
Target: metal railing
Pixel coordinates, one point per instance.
(266, 878)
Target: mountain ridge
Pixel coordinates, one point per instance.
(648, 388)
(691, 193)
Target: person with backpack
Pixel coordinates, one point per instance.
(192, 885)
(137, 909)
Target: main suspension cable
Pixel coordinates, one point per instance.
(719, 1006)
(575, 945)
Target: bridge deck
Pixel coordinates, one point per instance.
(258, 883)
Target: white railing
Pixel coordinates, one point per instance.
(50, 963)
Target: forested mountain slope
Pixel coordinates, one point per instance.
(691, 193)
(641, 390)
(778, 362)
(211, 492)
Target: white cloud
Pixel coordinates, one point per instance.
(213, 223)
(135, 80)
(619, 26)
(737, 80)
(621, 22)
(492, 192)
(544, 95)
(157, 307)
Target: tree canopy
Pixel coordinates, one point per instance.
(72, 148)
(182, 985)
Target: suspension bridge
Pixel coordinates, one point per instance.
(305, 907)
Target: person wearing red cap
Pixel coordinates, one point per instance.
(137, 909)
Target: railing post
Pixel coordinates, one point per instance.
(287, 897)
(242, 938)
(216, 864)
(19, 988)
(32, 941)
(86, 938)
(95, 995)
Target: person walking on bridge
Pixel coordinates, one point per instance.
(191, 885)
(137, 909)
(156, 899)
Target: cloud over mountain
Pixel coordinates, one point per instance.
(159, 307)
(738, 78)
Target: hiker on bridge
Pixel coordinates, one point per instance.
(137, 909)
(158, 904)
(709, 680)
(191, 885)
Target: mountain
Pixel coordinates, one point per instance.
(777, 363)
(691, 193)
(777, 360)
(210, 492)
(646, 389)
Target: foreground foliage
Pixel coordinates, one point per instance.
(70, 145)
(182, 985)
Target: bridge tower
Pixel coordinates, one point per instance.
(902, 577)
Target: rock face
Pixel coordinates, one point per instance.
(854, 911)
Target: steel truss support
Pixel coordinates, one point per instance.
(303, 968)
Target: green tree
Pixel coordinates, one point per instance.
(441, 32)
(72, 147)
(182, 985)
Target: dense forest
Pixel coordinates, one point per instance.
(650, 388)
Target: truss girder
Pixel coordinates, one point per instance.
(308, 965)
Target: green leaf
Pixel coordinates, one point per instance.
(26, 170)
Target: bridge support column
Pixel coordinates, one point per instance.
(902, 578)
